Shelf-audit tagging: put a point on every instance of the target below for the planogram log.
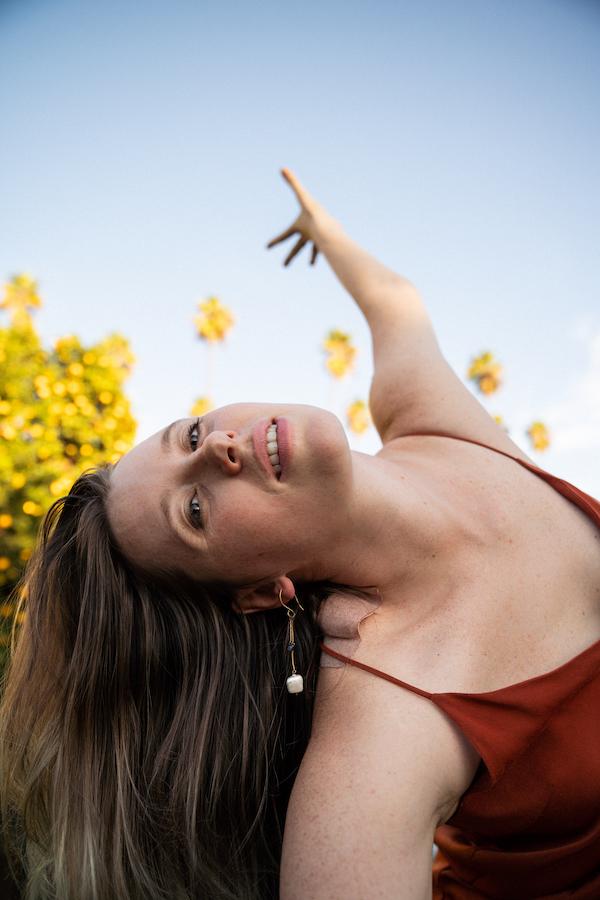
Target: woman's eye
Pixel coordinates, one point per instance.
(194, 427)
(195, 513)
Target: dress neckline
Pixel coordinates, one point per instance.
(518, 684)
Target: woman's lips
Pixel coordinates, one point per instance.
(259, 439)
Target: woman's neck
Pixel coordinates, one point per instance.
(396, 534)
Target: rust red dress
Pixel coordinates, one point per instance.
(528, 826)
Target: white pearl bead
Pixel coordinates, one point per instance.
(295, 684)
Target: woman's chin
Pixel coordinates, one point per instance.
(326, 439)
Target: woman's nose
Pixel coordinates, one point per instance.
(219, 448)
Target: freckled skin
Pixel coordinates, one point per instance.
(338, 515)
(254, 526)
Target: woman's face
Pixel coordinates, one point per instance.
(209, 503)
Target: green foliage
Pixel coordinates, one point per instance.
(62, 410)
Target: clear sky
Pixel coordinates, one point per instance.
(457, 140)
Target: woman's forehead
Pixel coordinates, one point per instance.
(131, 463)
(133, 503)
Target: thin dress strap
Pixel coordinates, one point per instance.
(411, 687)
(590, 506)
(586, 502)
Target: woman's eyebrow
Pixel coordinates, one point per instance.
(165, 440)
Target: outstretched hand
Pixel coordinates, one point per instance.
(309, 223)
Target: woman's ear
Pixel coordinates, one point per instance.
(263, 595)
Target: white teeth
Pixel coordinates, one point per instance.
(272, 448)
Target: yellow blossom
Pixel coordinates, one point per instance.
(89, 358)
(201, 406)
(358, 416)
(25, 553)
(340, 353)
(76, 369)
(42, 386)
(7, 431)
(4, 563)
(60, 485)
(71, 449)
(43, 452)
(4, 407)
(20, 295)
(32, 509)
(6, 610)
(486, 372)
(105, 397)
(6, 520)
(539, 436)
(17, 480)
(86, 450)
(36, 430)
(214, 320)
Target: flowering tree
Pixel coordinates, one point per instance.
(213, 322)
(340, 353)
(62, 410)
(487, 374)
(358, 417)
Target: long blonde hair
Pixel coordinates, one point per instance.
(148, 745)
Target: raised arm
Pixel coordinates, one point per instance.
(413, 387)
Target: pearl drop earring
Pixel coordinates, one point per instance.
(295, 682)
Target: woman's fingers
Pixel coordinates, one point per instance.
(315, 251)
(302, 195)
(283, 236)
(295, 249)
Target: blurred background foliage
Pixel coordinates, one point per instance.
(62, 410)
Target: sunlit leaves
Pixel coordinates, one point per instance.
(62, 410)
(340, 353)
(486, 372)
(214, 321)
(358, 417)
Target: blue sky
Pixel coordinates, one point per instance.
(456, 140)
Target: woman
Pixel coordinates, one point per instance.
(149, 744)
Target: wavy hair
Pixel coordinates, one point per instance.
(148, 744)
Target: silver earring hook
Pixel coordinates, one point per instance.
(290, 611)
